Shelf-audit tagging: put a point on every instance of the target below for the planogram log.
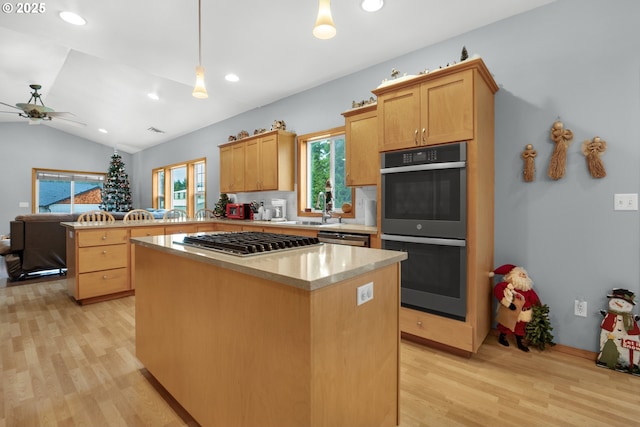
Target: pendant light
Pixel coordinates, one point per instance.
(199, 91)
(324, 28)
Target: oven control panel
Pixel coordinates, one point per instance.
(425, 155)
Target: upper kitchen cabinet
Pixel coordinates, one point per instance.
(232, 167)
(266, 161)
(362, 158)
(433, 108)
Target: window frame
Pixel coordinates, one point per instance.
(168, 184)
(302, 160)
(35, 199)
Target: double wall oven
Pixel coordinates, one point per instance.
(424, 213)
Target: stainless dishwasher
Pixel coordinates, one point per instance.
(339, 238)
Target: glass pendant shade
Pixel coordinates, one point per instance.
(324, 28)
(200, 91)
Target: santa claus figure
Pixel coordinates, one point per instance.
(620, 328)
(515, 294)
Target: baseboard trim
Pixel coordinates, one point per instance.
(560, 348)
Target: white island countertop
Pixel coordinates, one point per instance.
(308, 268)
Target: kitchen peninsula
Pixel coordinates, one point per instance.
(272, 339)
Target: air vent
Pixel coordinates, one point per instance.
(156, 130)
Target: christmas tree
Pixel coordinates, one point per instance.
(116, 193)
(538, 330)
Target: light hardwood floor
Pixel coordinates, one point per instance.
(68, 365)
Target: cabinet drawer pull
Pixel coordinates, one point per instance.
(104, 252)
(104, 277)
(104, 237)
(419, 322)
(415, 137)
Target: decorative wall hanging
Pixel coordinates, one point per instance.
(619, 334)
(562, 138)
(592, 151)
(529, 170)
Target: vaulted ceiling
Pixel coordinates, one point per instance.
(103, 71)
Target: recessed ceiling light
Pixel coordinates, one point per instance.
(153, 96)
(72, 18)
(102, 130)
(231, 77)
(372, 5)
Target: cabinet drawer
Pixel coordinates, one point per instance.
(178, 229)
(96, 258)
(102, 237)
(440, 329)
(102, 282)
(147, 231)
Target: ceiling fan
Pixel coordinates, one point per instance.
(38, 113)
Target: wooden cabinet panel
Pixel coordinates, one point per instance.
(361, 133)
(147, 231)
(95, 258)
(399, 119)
(268, 164)
(203, 228)
(105, 236)
(292, 231)
(228, 227)
(226, 169)
(103, 282)
(180, 228)
(237, 183)
(252, 165)
(447, 108)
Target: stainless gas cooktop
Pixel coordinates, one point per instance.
(247, 243)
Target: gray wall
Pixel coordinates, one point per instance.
(23, 147)
(576, 60)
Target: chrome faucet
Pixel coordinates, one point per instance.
(326, 214)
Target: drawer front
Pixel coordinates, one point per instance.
(437, 328)
(147, 231)
(105, 236)
(103, 283)
(206, 227)
(179, 229)
(96, 258)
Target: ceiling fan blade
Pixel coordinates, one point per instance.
(69, 121)
(12, 106)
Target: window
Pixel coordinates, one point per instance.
(66, 191)
(321, 158)
(180, 186)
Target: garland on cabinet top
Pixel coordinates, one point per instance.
(277, 125)
(116, 192)
(561, 137)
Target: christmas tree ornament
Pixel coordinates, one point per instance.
(562, 138)
(592, 151)
(529, 170)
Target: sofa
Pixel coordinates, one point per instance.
(37, 244)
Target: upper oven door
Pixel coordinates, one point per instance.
(425, 200)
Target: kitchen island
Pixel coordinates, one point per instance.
(271, 340)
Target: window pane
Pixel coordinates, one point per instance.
(54, 196)
(319, 170)
(199, 194)
(179, 194)
(341, 193)
(87, 195)
(67, 192)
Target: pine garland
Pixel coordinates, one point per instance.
(538, 331)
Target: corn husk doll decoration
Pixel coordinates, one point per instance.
(562, 138)
(529, 170)
(592, 151)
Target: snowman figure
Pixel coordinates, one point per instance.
(620, 334)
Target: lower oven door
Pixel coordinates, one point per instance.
(434, 277)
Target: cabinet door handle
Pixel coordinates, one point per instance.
(104, 277)
(419, 322)
(415, 137)
(104, 237)
(424, 136)
(104, 252)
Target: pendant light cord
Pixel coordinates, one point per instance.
(199, 33)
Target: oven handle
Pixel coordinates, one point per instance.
(424, 240)
(425, 167)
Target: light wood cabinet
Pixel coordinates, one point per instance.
(98, 263)
(362, 158)
(232, 167)
(452, 104)
(268, 163)
(431, 109)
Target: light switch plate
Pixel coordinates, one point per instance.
(625, 202)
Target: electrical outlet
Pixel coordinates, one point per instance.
(580, 308)
(625, 202)
(364, 293)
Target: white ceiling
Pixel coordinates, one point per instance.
(103, 71)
